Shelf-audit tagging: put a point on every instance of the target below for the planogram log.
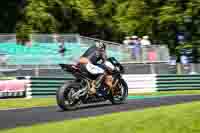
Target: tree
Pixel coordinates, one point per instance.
(114, 19)
(9, 14)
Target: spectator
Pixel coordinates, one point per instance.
(145, 41)
(135, 43)
(55, 38)
(62, 49)
(29, 43)
(127, 40)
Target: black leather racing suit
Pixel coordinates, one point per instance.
(95, 55)
(96, 58)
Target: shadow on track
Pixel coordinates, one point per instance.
(89, 106)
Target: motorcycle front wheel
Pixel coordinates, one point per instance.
(122, 93)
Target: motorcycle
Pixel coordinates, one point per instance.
(75, 92)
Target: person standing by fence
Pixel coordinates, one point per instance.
(145, 41)
(127, 41)
(62, 48)
(136, 49)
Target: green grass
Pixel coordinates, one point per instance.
(26, 103)
(7, 78)
(181, 118)
(35, 102)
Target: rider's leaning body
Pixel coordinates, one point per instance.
(91, 58)
(95, 54)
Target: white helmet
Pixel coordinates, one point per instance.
(100, 45)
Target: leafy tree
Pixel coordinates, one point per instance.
(9, 14)
(112, 19)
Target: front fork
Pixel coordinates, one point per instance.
(115, 82)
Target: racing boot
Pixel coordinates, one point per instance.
(109, 81)
(93, 88)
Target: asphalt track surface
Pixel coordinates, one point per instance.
(30, 116)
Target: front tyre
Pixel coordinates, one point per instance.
(122, 93)
(64, 97)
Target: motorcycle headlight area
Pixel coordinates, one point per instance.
(109, 65)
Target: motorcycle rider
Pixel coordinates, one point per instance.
(93, 61)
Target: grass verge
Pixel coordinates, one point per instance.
(181, 118)
(38, 102)
(26, 103)
(7, 78)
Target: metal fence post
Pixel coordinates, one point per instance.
(179, 70)
(28, 88)
(37, 70)
(193, 69)
(152, 67)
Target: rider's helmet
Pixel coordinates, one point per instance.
(100, 45)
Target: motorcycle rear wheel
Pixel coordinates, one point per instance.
(64, 97)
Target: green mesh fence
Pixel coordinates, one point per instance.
(45, 50)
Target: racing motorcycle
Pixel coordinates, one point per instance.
(75, 92)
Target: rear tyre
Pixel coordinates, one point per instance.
(122, 95)
(64, 97)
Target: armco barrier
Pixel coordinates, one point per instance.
(44, 86)
(47, 86)
(141, 83)
(178, 82)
